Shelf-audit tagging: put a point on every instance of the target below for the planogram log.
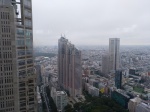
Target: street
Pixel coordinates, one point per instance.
(46, 100)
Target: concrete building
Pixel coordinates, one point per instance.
(38, 73)
(93, 91)
(69, 67)
(142, 107)
(17, 75)
(105, 64)
(91, 81)
(60, 98)
(148, 95)
(133, 103)
(114, 52)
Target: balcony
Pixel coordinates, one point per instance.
(22, 68)
(20, 31)
(28, 33)
(31, 91)
(22, 100)
(19, 25)
(22, 105)
(22, 94)
(27, 6)
(31, 108)
(22, 89)
(31, 85)
(22, 85)
(28, 14)
(21, 63)
(21, 57)
(30, 65)
(20, 45)
(29, 52)
(21, 53)
(29, 62)
(21, 48)
(31, 101)
(31, 94)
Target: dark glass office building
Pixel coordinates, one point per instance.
(118, 79)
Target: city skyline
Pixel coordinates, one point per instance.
(93, 21)
(40, 72)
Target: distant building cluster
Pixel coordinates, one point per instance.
(65, 72)
(96, 85)
(96, 71)
(123, 82)
(137, 105)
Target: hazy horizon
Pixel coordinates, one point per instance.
(92, 45)
(91, 22)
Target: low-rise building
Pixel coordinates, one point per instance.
(92, 90)
(142, 107)
(133, 103)
(120, 97)
(60, 98)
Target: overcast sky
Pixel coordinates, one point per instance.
(91, 22)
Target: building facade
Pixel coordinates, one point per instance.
(38, 73)
(93, 90)
(17, 77)
(69, 67)
(142, 107)
(133, 103)
(105, 64)
(60, 98)
(114, 52)
(120, 97)
(118, 79)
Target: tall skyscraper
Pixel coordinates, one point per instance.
(105, 64)
(114, 52)
(69, 67)
(118, 79)
(17, 77)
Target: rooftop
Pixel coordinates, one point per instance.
(61, 93)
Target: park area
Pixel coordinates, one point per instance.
(138, 89)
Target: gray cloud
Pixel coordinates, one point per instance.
(91, 22)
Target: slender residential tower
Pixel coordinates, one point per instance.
(105, 64)
(114, 52)
(69, 67)
(17, 77)
(118, 79)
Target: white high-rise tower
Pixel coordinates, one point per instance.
(114, 52)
